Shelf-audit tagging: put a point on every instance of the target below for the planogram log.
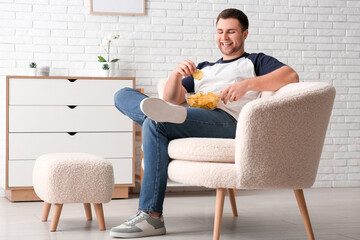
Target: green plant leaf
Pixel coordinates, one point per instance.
(105, 66)
(33, 65)
(115, 60)
(101, 59)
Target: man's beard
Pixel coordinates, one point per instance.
(232, 51)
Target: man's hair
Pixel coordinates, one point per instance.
(237, 14)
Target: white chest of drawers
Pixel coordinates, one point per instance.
(65, 114)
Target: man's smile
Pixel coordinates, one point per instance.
(226, 44)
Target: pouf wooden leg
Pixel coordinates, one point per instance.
(55, 216)
(87, 207)
(46, 211)
(100, 215)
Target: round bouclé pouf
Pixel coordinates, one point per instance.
(60, 178)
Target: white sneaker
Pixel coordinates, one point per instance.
(161, 111)
(141, 225)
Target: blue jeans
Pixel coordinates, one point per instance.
(156, 136)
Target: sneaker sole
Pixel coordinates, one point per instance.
(156, 232)
(161, 111)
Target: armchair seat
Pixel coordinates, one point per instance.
(205, 174)
(218, 150)
(204, 162)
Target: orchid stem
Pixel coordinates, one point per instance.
(109, 51)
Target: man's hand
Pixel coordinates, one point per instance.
(268, 82)
(174, 92)
(185, 69)
(234, 92)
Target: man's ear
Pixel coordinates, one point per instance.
(245, 33)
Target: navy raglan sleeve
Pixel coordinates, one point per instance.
(264, 64)
(188, 83)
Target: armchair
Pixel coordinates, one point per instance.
(278, 145)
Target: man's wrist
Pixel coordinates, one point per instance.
(176, 75)
(249, 84)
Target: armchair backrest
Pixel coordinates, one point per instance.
(279, 139)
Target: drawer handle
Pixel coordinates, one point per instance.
(72, 80)
(72, 106)
(72, 133)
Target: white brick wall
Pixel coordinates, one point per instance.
(320, 39)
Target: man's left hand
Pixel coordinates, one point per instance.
(234, 92)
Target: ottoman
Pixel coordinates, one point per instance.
(60, 178)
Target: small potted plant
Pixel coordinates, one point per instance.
(106, 69)
(105, 44)
(33, 69)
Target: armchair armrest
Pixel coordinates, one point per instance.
(279, 139)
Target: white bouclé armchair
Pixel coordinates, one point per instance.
(278, 145)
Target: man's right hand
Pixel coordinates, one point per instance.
(185, 69)
(174, 91)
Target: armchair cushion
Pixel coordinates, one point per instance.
(219, 150)
(205, 174)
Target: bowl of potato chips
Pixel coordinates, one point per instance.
(202, 100)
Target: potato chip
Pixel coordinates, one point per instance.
(201, 100)
(198, 75)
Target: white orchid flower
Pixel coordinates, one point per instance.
(110, 36)
(106, 42)
(106, 39)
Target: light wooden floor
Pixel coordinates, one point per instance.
(335, 215)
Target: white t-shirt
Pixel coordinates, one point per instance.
(219, 75)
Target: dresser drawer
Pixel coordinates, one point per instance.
(65, 119)
(20, 172)
(28, 91)
(123, 170)
(106, 145)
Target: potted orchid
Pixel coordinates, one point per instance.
(106, 44)
(33, 69)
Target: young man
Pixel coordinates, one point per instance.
(237, 78)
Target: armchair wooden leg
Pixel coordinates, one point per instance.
(55, 217)
(46, 211)
(87, 208)
(232, 193)
(100, 215)
(220, 197)
(304, 212)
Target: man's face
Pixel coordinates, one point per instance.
(230, 38)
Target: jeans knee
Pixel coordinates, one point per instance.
(121, 95)
(148, 124)
(152, 126)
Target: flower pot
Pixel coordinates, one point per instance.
(113, 68)
(32, 71)
(44, 71)
(105, 73)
